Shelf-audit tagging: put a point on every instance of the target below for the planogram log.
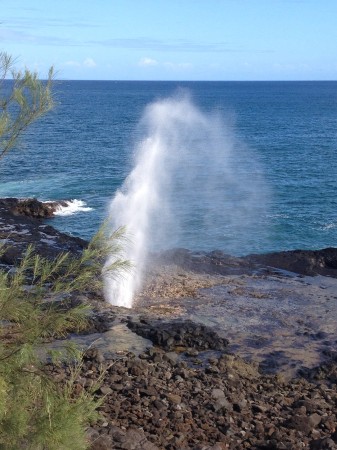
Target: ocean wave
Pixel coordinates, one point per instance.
(278, 216)
(72, 207)
(328, 226)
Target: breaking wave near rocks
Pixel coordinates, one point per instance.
(70, 207)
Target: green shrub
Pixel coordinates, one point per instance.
(35, 412)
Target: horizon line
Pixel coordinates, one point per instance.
(187, 81)
(198, 81)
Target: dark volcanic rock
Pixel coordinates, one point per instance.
(19, 231)
(30, 207)
(169, 335)
(305, 262)
(152, 403)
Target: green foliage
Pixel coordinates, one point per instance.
(39, 414)
(22, 100)
(36, 413)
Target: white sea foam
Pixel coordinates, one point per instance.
(329, 226)
(72, 207)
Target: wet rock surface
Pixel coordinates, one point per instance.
(279, 319)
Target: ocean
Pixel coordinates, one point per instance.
(255, 171)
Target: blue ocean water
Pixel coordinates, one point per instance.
(84, 150)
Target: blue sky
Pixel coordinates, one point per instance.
(173, 39)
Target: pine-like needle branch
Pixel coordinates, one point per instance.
(23, 99)
(36, 413)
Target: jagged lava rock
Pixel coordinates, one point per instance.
(20, 229)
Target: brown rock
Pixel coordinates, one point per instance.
(173, 398)
(105, 390)
(300, 423)
(101, 443)
(135, 439)
(314, 419)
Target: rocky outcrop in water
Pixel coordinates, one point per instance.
(30, 207)
(21, 225)
(304, 262)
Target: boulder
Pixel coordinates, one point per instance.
(31, 207)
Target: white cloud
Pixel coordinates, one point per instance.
(89, 62)
(144, 62)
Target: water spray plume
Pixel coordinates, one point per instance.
(185, 154)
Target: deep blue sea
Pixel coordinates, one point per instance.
(283, 133)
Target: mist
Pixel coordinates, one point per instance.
(193, 184)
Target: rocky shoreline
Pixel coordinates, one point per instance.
(184, 388)
(158, 401)
(21, 224)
